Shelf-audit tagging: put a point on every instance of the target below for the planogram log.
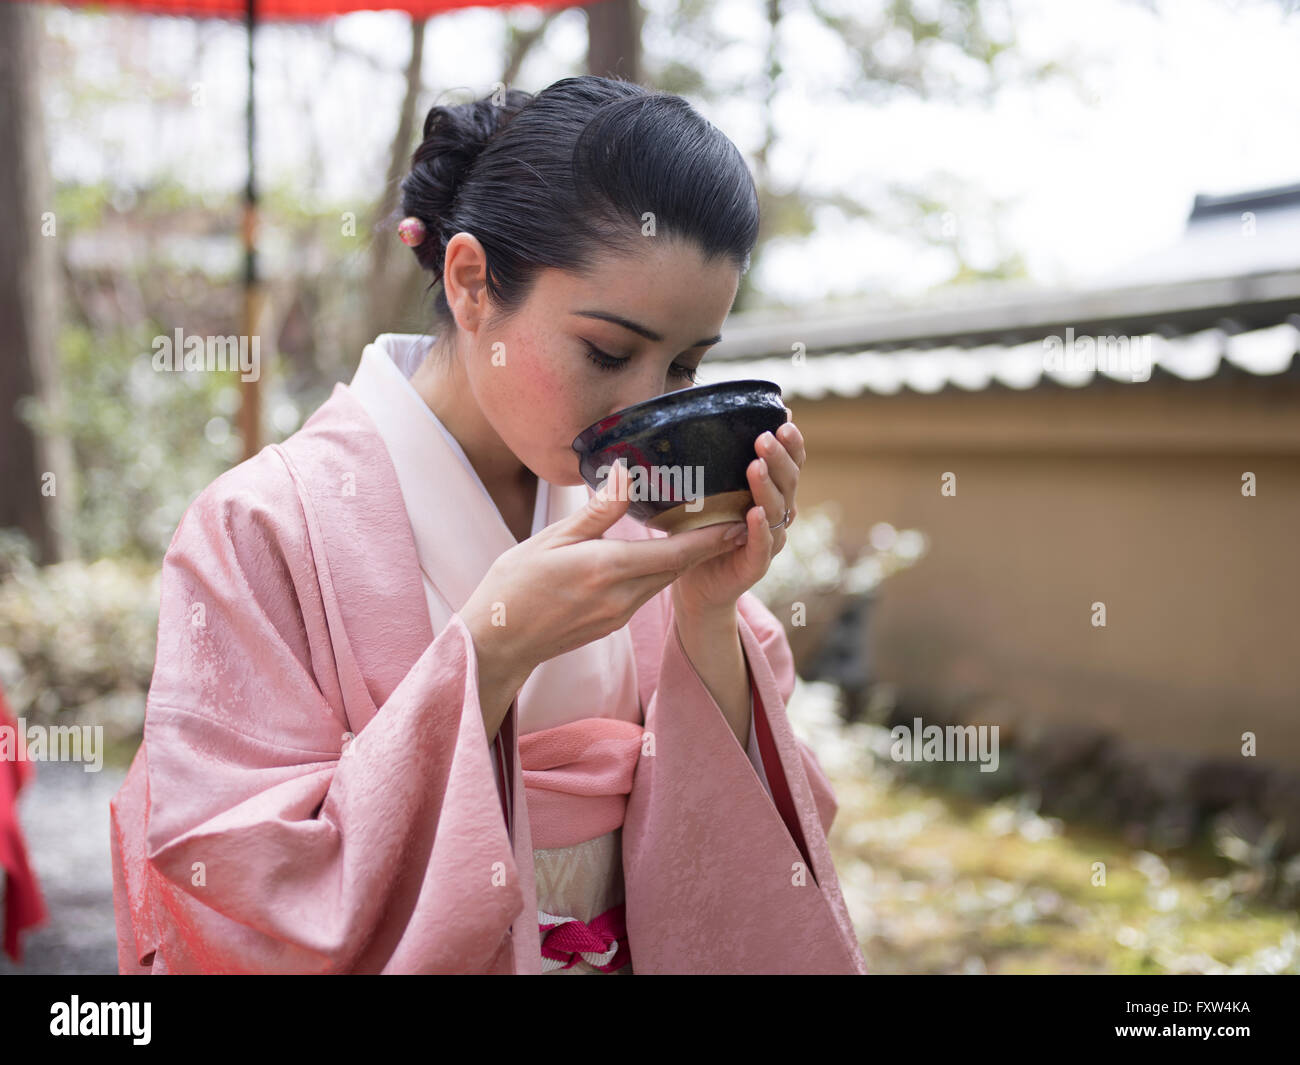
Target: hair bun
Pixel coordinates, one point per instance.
(454, 137)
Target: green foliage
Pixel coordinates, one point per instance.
(77, 640)
(943, 883)
(140, 438)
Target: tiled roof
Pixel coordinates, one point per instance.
(1225, 299)
(1191, 357)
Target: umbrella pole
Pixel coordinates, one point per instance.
(250, 412)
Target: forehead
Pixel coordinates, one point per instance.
(665, 285)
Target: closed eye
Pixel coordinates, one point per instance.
(612, 362)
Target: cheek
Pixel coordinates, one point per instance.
(530, 384)
(533, 390)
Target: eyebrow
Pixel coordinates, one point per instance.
(649, 334)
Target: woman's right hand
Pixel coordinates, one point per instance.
(566, 586)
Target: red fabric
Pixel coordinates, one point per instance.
(567, 941)
(302, 10)
(24, 905)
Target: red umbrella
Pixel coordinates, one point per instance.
(253, 12)
(24, 903)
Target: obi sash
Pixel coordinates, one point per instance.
(578, 777)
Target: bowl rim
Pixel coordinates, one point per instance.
(584, 442)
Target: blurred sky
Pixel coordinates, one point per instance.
(1171, 99)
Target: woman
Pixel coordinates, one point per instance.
(416, 684)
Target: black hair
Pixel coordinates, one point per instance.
(559, 178)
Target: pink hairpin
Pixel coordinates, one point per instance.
(411, 230)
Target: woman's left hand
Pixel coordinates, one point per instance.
(714, 586)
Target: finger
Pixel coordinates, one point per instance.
(789, 435)
(764, 490)
(778, 541)
(642, 589)
(781, 467)
(758, 549)
(674, 554)
(603, 509)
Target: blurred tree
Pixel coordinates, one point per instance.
(147, 249)
(943, 50)
(35, 468)
(391, 289)
(614, 39)
(384, 295)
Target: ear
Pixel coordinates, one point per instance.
(464, 281)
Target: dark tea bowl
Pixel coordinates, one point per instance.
(686, 452)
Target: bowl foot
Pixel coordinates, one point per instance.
(724, 507)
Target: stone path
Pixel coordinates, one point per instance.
(64, 814)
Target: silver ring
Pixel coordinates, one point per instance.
(783, 522)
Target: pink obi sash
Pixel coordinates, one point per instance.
(578, 777)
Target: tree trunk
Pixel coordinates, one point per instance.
(383, 298)
(614, 46)
(36, 468)
(392, 285)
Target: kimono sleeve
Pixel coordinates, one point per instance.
(722, 875)
(277, 841)
(776, 649)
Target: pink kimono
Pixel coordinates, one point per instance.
(315, 792)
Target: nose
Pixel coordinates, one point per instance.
(645, 387)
